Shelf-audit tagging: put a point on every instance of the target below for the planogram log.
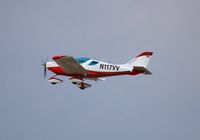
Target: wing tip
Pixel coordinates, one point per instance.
(147, 53)
(57, 57)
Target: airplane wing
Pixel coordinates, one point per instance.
(70, 65)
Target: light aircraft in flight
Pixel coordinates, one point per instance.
(80, 69)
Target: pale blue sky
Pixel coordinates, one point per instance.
(162, 106)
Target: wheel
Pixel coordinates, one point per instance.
(53, 83)
(82, 88)
(74, 83)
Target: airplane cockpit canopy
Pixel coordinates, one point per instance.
(81, 60)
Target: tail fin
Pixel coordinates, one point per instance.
(141, 62)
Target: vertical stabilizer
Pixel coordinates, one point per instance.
(141, 62)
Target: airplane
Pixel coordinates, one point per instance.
(80, 69)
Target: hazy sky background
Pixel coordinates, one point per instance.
(164, 106)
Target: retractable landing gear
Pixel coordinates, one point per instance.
(79, 82)
(82, 88)
(53, 83)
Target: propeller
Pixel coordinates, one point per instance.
(44, 63)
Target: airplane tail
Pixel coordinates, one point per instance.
(141, 62)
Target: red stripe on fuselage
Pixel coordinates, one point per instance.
(107, 74)
(92, 74)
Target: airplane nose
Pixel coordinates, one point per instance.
(51, 64)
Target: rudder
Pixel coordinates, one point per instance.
(141, 60)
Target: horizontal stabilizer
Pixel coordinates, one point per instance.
(143, 69)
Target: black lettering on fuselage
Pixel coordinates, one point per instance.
(101, 66)
(109, 67)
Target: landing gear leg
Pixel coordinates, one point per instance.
(54, 80)
(82, 87)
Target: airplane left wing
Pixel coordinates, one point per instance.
(70, 65)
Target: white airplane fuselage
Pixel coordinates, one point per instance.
(83, 68)
(102, 69)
